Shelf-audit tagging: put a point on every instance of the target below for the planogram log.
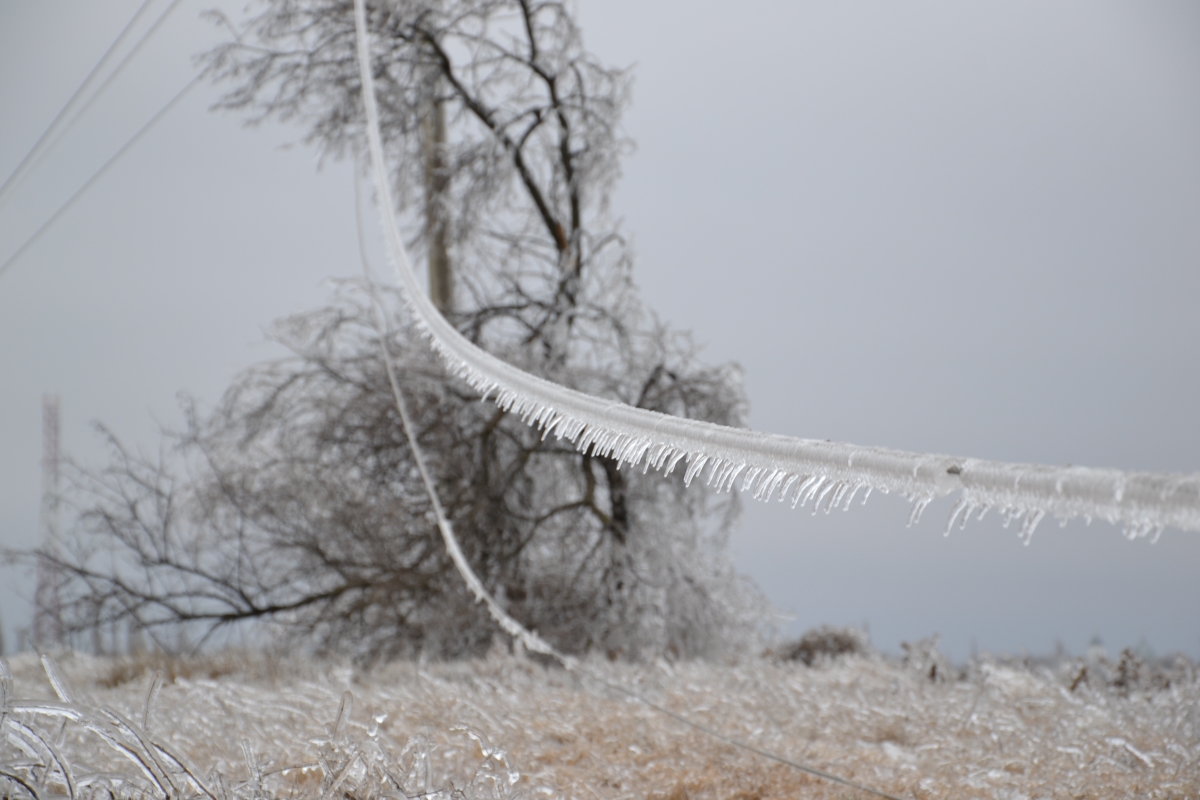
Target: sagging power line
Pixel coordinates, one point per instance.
(514, 628)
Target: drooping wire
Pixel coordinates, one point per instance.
(18, 174)
(510, 625)
(528, 638)
(787, 467)
(99, 173)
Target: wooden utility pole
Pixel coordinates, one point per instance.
(47, 612)
(437, 181)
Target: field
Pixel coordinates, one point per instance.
(507, 726)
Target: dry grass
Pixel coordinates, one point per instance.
(504, 726)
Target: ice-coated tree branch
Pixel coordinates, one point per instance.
(828, 474)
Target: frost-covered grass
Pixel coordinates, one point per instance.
(501, 727)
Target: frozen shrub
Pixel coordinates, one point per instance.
(924, 658)
(1128, 672)
(826, 643)
(1133, 674)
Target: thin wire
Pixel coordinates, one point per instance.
(530, 639)
(99, 173)
(829, 776)
(7, 189)
(78, 91)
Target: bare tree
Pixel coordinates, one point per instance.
(529, 152)
(301, 507)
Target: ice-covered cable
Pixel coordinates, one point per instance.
(828, 474)
(511, 626)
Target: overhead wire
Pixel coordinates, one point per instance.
(99, 173)
(19, 174)
(75, 95)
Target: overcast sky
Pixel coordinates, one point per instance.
(961, 228)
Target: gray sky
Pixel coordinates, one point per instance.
(961, 228)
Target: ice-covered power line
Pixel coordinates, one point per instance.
(827, 474)
(162, 112)
(15, 176)
(511, 626)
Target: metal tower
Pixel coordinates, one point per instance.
(47, 612)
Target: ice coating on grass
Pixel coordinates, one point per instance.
(503, 727)
(1142, 503)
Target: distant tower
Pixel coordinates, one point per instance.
(47, 613)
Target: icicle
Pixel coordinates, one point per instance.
(755, 485)
(836, 500)
(751, 474)
(725, 476)
(694, 467)
(918, 508)
(1032, 518)
(771, 485)
(655, 459)
(801, 487)
(812, 487)
(628, 450)
(551, 423)
(715, 465)
(959, 507)
(792, 478)
(829, 486)
(733, 476)
(850, 497)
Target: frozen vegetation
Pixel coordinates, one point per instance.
(253, 725)
(505, 726)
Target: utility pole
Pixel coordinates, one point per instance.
(437, 181)
(47, 612)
